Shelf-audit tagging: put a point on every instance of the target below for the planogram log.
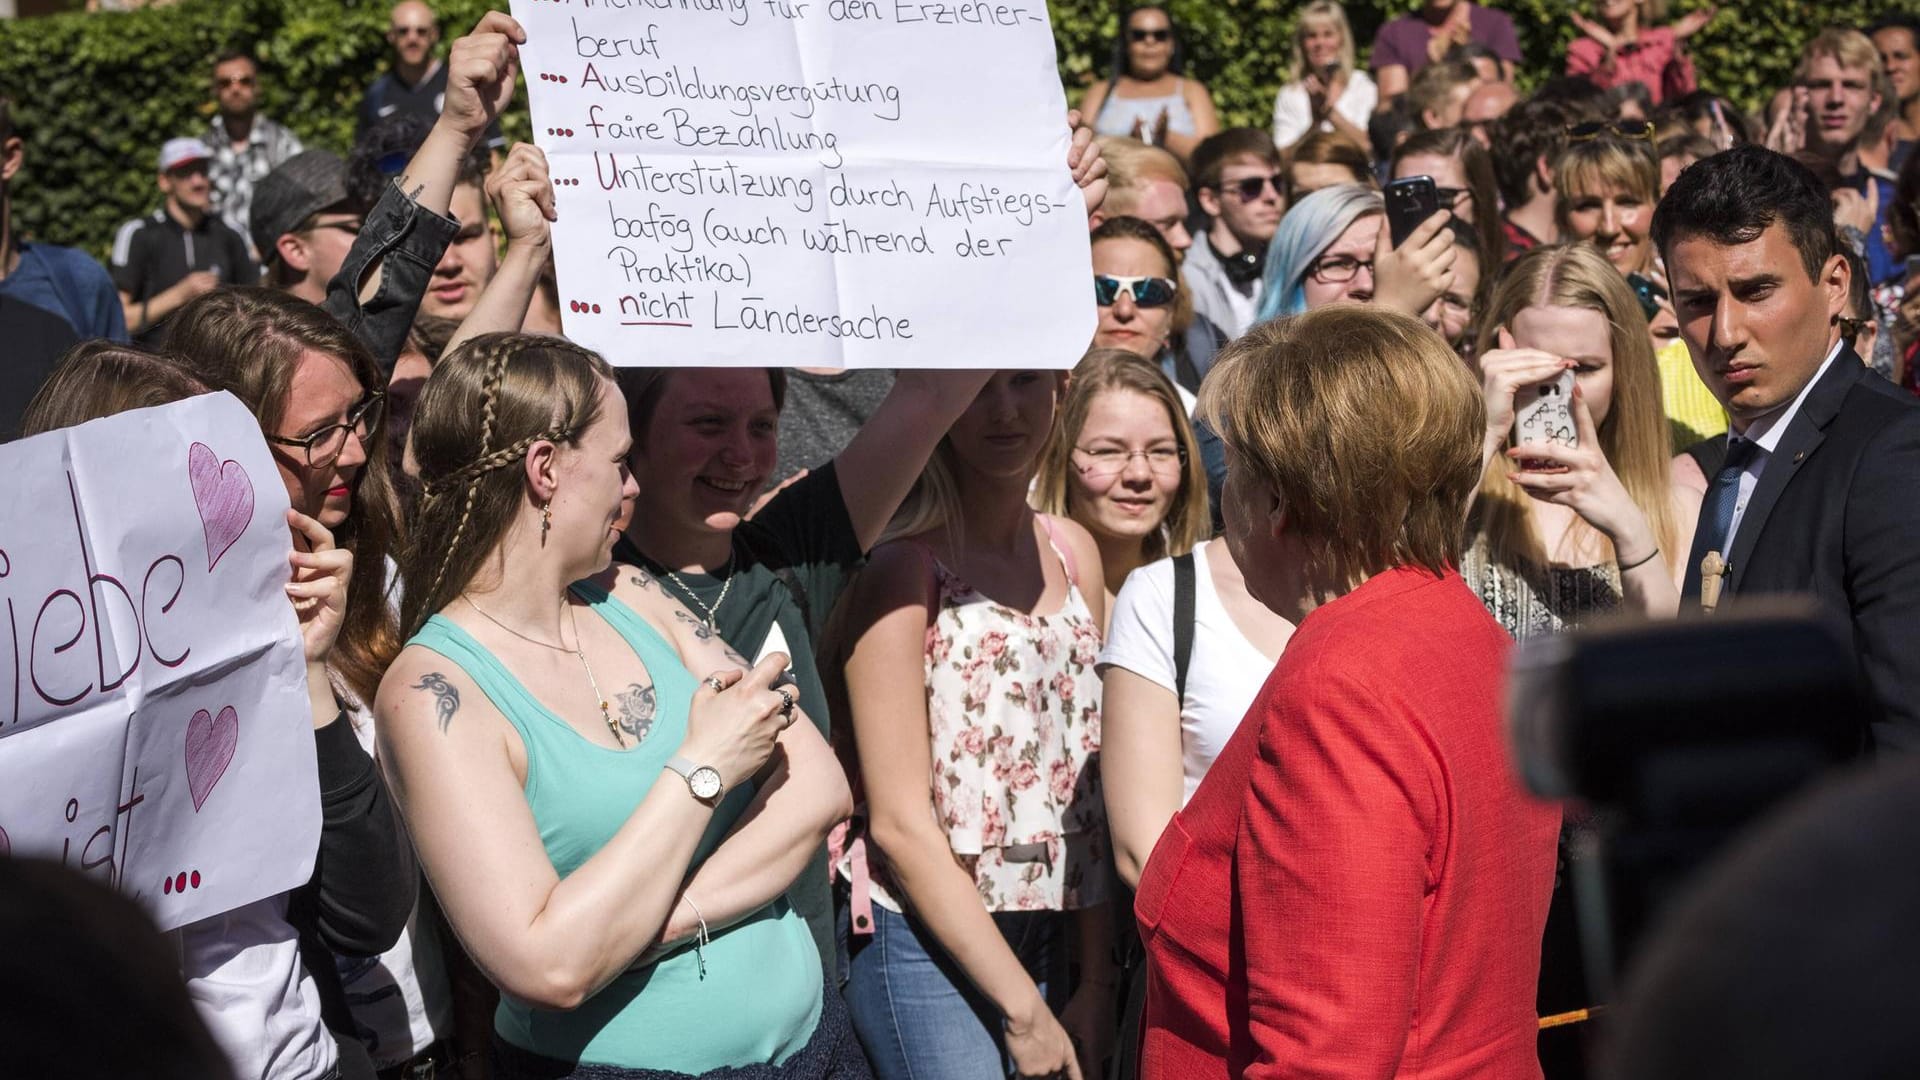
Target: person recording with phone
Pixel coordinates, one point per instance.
(1564, 530)
(1334, 247)
(1561, 533)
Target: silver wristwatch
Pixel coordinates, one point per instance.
(702, 780)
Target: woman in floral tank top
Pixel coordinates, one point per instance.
(970, 651)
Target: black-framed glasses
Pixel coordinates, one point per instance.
(350, 226)
(1139, 36)
(1147, 292)
(323, 447)
(1452, 196)
(1625, 129)
(1249, 188)
(1337, 269)
(1108, 461)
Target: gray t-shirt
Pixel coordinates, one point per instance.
(822, 414)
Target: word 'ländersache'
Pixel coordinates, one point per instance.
(819, 183)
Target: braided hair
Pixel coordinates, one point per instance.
(487, 403)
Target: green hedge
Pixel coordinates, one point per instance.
(95, 95)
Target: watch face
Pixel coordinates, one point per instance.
(705, 782)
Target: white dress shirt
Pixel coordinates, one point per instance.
(1765, 433)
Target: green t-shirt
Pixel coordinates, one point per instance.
(791, 562)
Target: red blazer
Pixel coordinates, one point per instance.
(1359, 885)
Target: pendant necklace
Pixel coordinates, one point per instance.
(713, 609)
(606, 711)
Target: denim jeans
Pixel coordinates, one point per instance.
(919, 1016)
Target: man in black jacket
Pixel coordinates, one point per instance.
(1817, 494)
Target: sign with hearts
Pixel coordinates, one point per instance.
(224, 496)
(155, 728)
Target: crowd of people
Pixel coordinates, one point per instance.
(1137, 720)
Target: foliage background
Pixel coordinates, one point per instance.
(95, 94)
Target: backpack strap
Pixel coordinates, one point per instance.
(1183, 619)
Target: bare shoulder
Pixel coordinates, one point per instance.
(697, 643)
(1686, 474)
(1086, 554)
(425, 691)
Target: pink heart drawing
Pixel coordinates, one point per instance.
(224, 494)
(210, 744)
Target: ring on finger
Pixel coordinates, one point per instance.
(786, 702)
(714, 681)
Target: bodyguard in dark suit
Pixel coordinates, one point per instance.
(1820, 490)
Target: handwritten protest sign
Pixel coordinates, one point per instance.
(154, 724)
(857, 183)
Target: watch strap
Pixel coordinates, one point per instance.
(682, 766)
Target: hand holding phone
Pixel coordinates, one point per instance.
(1410, 201)
(1543, 413)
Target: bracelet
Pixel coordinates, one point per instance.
(1640, 562)
(700, 936)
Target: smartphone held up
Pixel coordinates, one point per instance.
(1543, 413)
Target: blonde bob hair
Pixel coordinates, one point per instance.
(1104, 371)
(1365, 425)
(1634, 436)
(1632, 165)
(1325, 13)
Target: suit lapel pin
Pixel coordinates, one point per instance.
(1799, 457)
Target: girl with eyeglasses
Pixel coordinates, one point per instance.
(315, 388)
(1624, 43)
(1146, 97)
(1334, 247)
(1145, 307)
(969, 644)
(1124, 464)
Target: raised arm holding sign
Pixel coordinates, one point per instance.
(803, 182)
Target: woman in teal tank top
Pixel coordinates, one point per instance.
(609, 806)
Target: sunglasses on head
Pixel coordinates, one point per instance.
(1250, 188)
(1162, 34)
(1625, 129)
(1147, 292)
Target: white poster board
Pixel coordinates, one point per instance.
(819, 183)
(154, 725)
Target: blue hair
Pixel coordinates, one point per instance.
(1309, 228)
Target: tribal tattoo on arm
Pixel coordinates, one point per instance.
(446, 697)
(636, 711)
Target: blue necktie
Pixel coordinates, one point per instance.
(1716, 514)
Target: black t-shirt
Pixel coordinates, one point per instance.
(790, 564)
(152, 253)
(35, 340)
(823, 413)
(388, 95)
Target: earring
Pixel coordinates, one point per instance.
(546, 521)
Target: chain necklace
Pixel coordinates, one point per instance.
(606, 712)
(712, 609)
